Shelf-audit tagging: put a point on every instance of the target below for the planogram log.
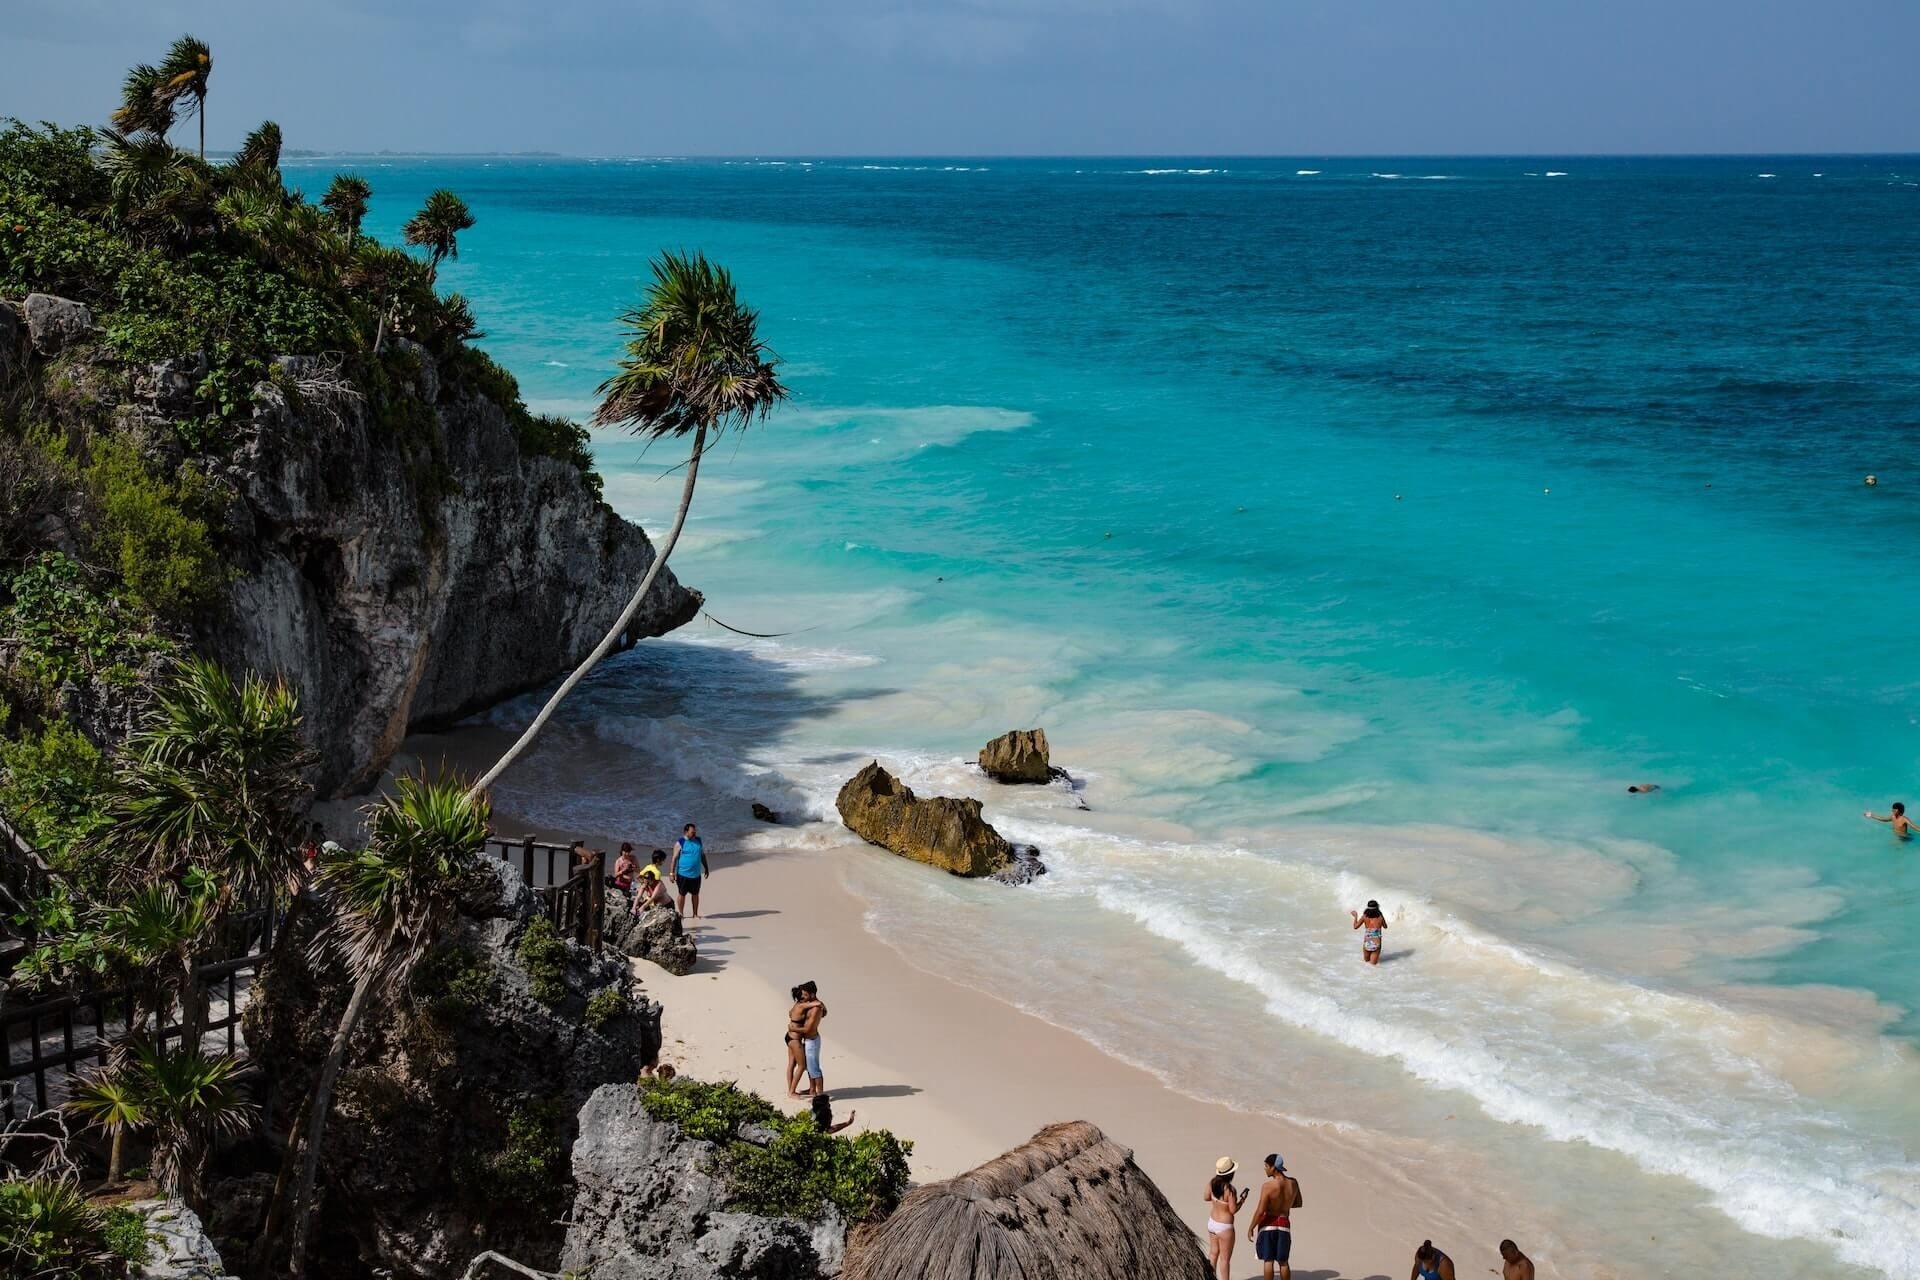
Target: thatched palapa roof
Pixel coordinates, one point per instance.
(1069, 1204)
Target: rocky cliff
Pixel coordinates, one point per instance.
(408, 572)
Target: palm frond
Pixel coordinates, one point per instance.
(695, 357)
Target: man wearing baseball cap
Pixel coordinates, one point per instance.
(1271, 1228)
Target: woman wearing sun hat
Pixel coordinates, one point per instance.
(1223, 1203)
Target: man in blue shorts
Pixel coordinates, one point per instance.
(1271, 1227)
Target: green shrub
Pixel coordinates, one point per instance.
(148, 529)
(798, 1174)
(52, 787)
(552, 436)
(453, 980)
(124, 1233)
(609, 1004)
(59, 626)
(48, 1230)
(529, 1169)
(543, 954)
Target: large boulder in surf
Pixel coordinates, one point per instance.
(1017, 756)
(940, 831)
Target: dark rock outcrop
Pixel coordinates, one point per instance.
(655, 935)
(12, 339)
(764, 814)
(55, 323)
(404, 580)
(418, 1160)
(1019, 755)
(649, 1205)
(1025, 867)
(941, 831)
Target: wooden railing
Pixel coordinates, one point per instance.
(572, 893)
(24, 878)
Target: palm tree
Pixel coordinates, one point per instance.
(695, 365)
(346, 200)
(189, 1100)
(384, 274)
(259, 153)
(212, 780)
(154, 188)
(144, 107)
(159, 931)
(109, 1102)
(391, 900)
(437, 227)
(183, 81)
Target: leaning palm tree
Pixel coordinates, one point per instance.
(390, 902)
(144, 107)
(437, 227)
(184, 74)
(695, 365)
(346, 202)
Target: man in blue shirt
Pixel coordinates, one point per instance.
(689, 866)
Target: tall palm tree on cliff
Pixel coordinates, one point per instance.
(437, 227)
(346, 203)
(695, 365)
(391, 900)
(184, 74)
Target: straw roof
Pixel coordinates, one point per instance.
(1069, 1204)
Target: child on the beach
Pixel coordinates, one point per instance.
(1902, 827)
(1374, 922)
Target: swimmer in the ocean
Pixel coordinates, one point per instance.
(1902, 825)
(1643, 788)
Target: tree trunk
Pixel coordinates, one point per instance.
(619, 627)
(116, 1155)
(317, 1120)
(203, 129)
(380, 334)
(283, 1184)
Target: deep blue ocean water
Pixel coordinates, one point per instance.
(1372, 521)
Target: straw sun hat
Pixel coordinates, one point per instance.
(1225, 1167)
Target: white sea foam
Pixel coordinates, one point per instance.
(1556, 173)
(1305, 173)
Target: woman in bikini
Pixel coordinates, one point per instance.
(1225, 1202)
(1374, 922)
(1431, 1264)
(796, 1050)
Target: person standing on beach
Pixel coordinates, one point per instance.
(1902, 826)
(1223, 1203)
(690, 867)
(1271, 1228)
(1431, 1264)
(814, 1011)
(1374, 923)
(796, 1049)
(1514, 1265)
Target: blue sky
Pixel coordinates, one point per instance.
(1136, 77)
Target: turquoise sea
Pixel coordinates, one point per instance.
(1356, 528)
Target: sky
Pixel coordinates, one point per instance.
(1005, 77)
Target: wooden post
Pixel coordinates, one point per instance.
(526, 861)
(597, 899)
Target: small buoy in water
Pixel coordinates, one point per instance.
(1709, 484)
(1396, 497)
(1109, 534)
(1872, 481)
(1239, 509)
(1546, 491)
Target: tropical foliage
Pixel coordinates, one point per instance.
(49, 1231)
(802, 1170)
(437, 227)
(183, 1100)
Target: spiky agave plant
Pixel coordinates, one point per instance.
(390, 902)
(695, 365)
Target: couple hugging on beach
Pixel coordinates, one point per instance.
(1271, 1228)
(803, 1056)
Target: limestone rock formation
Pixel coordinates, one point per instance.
(178, 1248)
(656, 935)
(648, 1206)
(1019, 755)
(403, 584)
(55, 323)
(452, 1091)
(941, 831)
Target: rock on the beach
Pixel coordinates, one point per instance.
(763, 813)
(941, 831)
(53, 322)
(1017, 756)
(649, 1204)
(1025, 868)
(660, 937)
(178, 1247)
